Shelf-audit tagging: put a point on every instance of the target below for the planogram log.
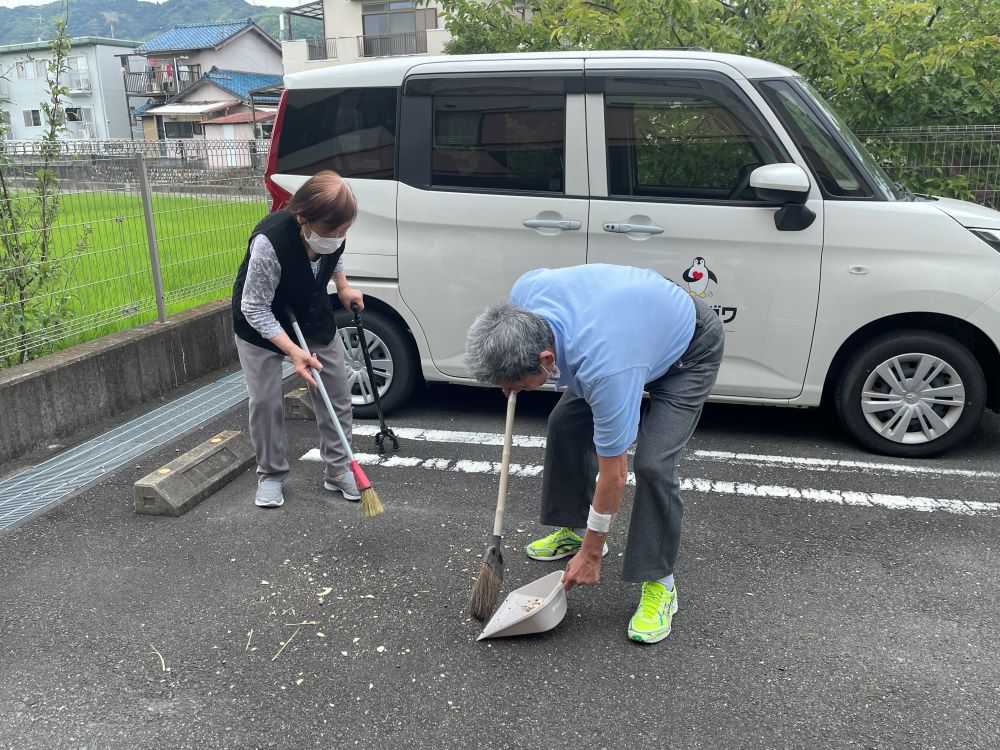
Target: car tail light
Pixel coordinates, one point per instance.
(279, 196)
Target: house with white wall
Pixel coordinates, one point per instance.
(95, 106)
(334, 32)
(241, 126)
(194, 71)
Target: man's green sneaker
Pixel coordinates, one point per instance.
(651, 621)
(559, 544)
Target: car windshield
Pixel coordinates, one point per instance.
(878, 175)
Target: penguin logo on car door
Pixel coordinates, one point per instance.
(697, 278)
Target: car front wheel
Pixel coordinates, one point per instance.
(911, 394)
(394, 361)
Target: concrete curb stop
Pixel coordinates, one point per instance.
(187, 480)
(298, 405)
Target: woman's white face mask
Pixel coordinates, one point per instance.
(323, 245)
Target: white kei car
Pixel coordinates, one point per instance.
(726, 174)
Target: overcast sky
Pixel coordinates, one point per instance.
(284, 3)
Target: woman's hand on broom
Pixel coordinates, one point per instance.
(303, 360)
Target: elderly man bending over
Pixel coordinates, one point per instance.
(606, 333)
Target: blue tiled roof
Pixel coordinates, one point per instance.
(241, 83)
(193, 36)
(136, 111)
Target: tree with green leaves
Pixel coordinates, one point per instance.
(882, 63)
(33, 276)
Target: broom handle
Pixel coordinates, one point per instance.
(508, 434)
(321, 388)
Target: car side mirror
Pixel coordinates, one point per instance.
(789, 185)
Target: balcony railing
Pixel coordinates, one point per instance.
(392, 45)
(158, 82)
(322, 49)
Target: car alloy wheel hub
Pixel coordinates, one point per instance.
(357, 373)
(913, 398)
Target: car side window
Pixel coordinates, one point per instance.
(504, 140)
(351, 131)
(832, 168)
(687, 139)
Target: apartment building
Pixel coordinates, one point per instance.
(95, 106)
(335, 32)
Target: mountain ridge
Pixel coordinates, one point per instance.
(132, 20)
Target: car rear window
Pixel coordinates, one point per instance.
(351, 131)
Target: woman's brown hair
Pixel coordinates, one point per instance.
(325, 201)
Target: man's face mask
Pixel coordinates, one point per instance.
(323, 245)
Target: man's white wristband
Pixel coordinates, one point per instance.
(599, 522)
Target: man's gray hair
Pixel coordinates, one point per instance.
(505, 344)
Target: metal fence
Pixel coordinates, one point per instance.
(141, 229)
(321, 48)
(197, 154)
(960, 162)
(392, 45)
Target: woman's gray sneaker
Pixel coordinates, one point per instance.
(345, 485)
(269, 494)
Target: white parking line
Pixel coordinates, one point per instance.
(452, 436)
(441, 464)
(797, 462)
(832, 464)
(708, 486)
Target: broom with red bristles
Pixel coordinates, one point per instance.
(371, 506)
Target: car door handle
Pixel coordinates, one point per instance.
(633, 228)
(552, 224)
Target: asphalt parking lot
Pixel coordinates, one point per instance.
(828, 599)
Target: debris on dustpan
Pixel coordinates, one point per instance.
(534, 608)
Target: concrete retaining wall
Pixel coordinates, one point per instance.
(55, 396)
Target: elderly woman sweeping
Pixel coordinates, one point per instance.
(291, 257)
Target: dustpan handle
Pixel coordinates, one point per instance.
(363, 341)
(508, 435)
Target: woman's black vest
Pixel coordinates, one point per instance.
(298, 289)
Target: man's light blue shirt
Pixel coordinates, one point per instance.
(616, 329)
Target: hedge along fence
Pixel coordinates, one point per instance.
(955, 162)
(138, 236)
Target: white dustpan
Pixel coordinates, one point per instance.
(535, 608)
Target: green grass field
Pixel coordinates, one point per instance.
(201, 242)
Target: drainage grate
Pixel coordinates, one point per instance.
(33, 489)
